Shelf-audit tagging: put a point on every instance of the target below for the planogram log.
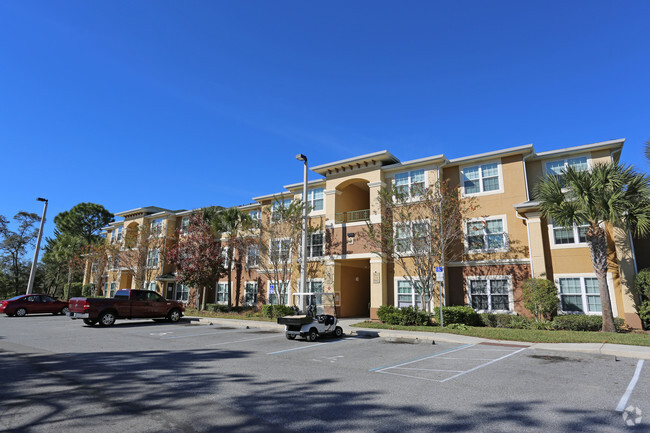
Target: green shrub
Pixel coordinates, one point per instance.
(87, 290)
(282, 310)
(582, 322)
(642, 287)
(460, 326)
(75, 290)
(408, 316)
(460, 314)
(217, 308)
(267, 311)
(540, 298)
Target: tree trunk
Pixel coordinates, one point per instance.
(203, 299)
(67, 294)
(230, 277)
(598, 248)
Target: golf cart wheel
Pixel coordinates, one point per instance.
(338, 332)
(290, 336)
(313, 335)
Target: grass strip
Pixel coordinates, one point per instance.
(527, 335)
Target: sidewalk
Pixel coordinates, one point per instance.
(619, 350)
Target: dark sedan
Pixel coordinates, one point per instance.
(30, 304)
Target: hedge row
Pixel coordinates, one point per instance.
(460, 315)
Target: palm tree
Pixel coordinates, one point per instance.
(230, 221)
(607, 194)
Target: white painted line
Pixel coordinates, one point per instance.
(406, 375)
(468, 359)
(630, 387)
(192, 335)
(476, 349)
(427, 369)
(483, 365)
(421, 359)
(240, 341)
(311, 346)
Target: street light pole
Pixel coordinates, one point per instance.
(305, 204)
(32, 274)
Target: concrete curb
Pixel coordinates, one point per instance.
(619, 350)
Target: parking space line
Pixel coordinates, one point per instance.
(241, 341)
(379, 369)
(483, 365)
(194, 335)
(311, 346)
(468, 359)
(630, 387)
(427, 369)
(406, 375)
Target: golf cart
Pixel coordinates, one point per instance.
(311, 324)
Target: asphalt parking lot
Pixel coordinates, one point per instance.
(141, 376)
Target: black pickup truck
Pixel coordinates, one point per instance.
(127, 304)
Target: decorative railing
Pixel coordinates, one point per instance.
(352, 216)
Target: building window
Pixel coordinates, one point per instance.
(156, 226)
(278, 207)
(274, 289)
(410, 183)
(106, 286)
(313, 286)
(115, 263)
(315, 199)
(579, 295)
(182, 293)
(407, 295)
(185, 224)
(113, 289)
(152, 259)
(412, 237)
(490, 294)
(280, 250)
(481, 178)
(253, 256)
(486, 235)
(573, 235)
(250, 293)
(222, 293)
(150, 285)
(315, 245)
(255, 215)
(557, 168)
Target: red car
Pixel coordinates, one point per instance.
(29, 304)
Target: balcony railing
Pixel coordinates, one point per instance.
(352, 216)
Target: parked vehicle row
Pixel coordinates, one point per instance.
(30, 304)
(127, 304)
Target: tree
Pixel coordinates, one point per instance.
(197, 255)
(14, 244)
(84, 220)
(540, 297)
(98, 256)
(231, 221)
(66, 250)
(608, 194)
(279, 234)
(143, 249)
(419, 229)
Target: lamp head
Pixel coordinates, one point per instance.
(301, 157)
(41, 199)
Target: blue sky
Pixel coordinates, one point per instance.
(183, 104)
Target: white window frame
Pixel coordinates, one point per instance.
(113, 289)
(224, 286)
(511, 297)
(585, 305)
(506, 237)
(246, 285)
(565, 162)
(156, 226)
(409, 225)
(285, 202)
(185, 223)
(249, 249)
(255, 215)
(311, 201)
(287, 292)
(576, 237)
(480, 166)
(153, 258)
(281, 242)
(410, 183)
(415, 296)
(149, 284)
(184, 291)
(310, 244)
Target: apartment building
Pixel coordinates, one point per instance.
(506, 238)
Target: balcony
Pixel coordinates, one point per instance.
(352, 216)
